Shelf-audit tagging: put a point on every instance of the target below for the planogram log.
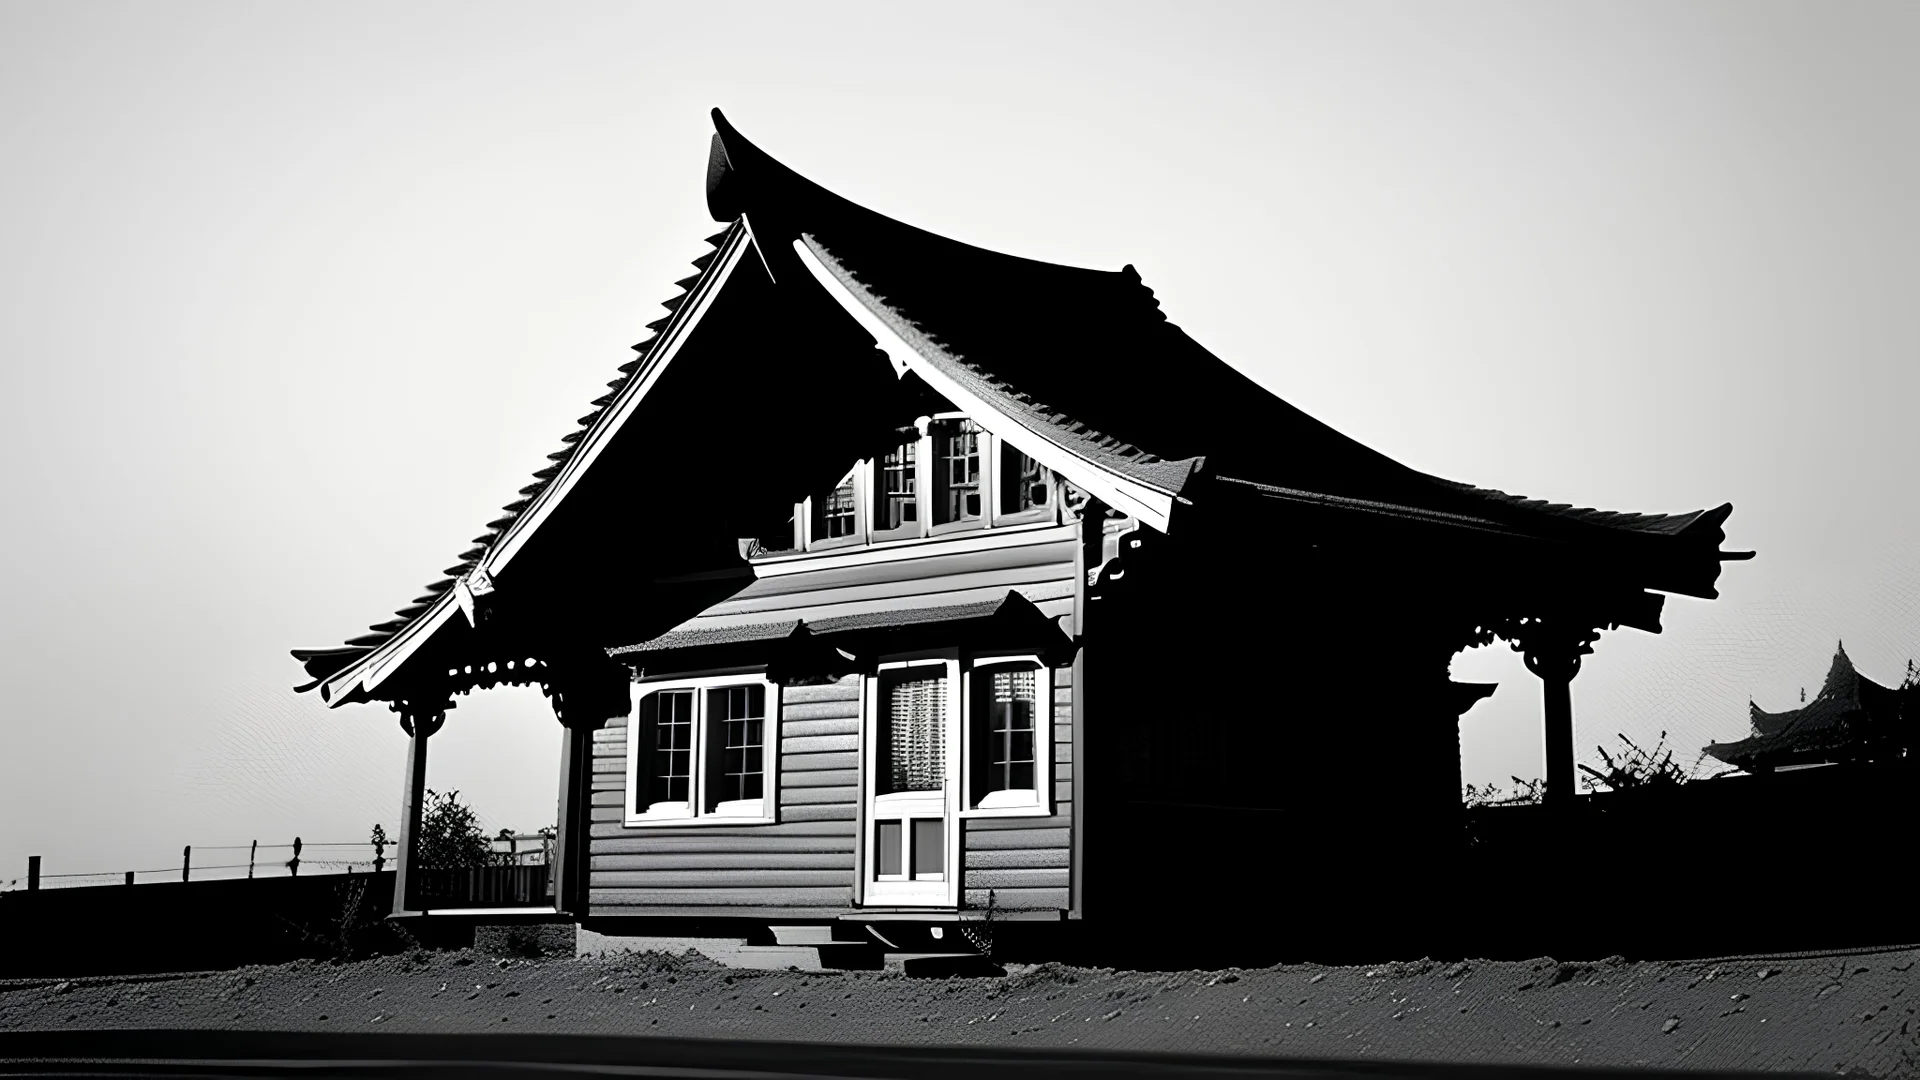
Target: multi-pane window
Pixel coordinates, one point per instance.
(666, 721)
(1023, 483)
(895, 504)
(1004, 762)
(956, 461)
(738, 715)
(837, 514)
(698, 749)
(912, 736)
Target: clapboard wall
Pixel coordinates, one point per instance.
(803, 866)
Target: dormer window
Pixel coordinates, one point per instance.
(940, 475)
(957, 496)
(837, 515)
(833, 517)
(896, 508)
(1023, 483)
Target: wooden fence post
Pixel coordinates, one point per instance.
(33, 873)
(186, 861)
(129, 877)
(251, 852)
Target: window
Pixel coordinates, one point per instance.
(1009, 738)
(956, 471)
(1023, 484)
(834, 516)
(912, 737)
(896, 502)
(698, 751)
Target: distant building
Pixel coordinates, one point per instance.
(1852, 719)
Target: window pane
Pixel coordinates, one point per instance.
(834, 513)
(929, 840)
(1004, 730)
(671, 770)
(736, 718)
(886, 847)
(956, 450)
(894, 508)
(912, 750)
(1022, 483)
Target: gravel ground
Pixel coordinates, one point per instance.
(1835, 1014)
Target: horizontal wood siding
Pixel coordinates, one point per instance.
(804, 866)
(1024, 862)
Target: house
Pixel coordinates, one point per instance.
(1851, 720)
(898, 582)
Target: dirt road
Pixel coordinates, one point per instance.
(1853, 1014)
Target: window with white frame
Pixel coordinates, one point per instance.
(943, 474)
(834, 519)
(896, 502)
(958, 495)
(703, 751)
(1009, 737)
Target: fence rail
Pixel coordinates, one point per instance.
(266, 860)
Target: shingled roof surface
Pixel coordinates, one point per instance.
(1086, 359)
(322, 664)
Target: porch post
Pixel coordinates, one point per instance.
(585, 694)
(419, 726)
(1552, 649)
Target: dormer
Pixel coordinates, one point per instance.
(945, 474)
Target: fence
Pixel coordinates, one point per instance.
(274, 860)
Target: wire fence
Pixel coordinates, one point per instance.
(270, 861)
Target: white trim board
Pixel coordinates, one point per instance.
(1129, 496)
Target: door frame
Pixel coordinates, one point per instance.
(901, 892)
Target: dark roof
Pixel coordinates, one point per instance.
(1086, 359)
(1849, 713)
(324, 663)
(1011, 606)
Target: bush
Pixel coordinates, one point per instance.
(450, 836)
(1638, 770)
(1525, 793)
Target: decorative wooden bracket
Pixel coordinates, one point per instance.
(419, 719)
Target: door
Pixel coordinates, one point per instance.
(912, 748)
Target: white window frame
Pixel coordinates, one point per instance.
(1050, 513)
(876, 889)
(768, 811)
(861, 475)
(989, 493)
(1039, 803)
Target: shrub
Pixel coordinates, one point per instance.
(450, 836)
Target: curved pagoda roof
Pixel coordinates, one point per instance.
(1851, 717)
(1080, 360)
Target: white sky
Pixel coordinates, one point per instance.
(293, 297)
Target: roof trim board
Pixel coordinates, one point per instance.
(373, 668)
(1129, 496)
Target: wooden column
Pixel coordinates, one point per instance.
(419, 726)
(1552, 648)
(586, 692)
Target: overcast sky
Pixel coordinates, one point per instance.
(292, 298)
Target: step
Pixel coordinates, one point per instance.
(775, 957)
(942, 965)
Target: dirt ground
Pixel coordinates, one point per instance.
(1851, 1014)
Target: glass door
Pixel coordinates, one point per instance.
(913, 743)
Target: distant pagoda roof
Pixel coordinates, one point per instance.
(1852, 718)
